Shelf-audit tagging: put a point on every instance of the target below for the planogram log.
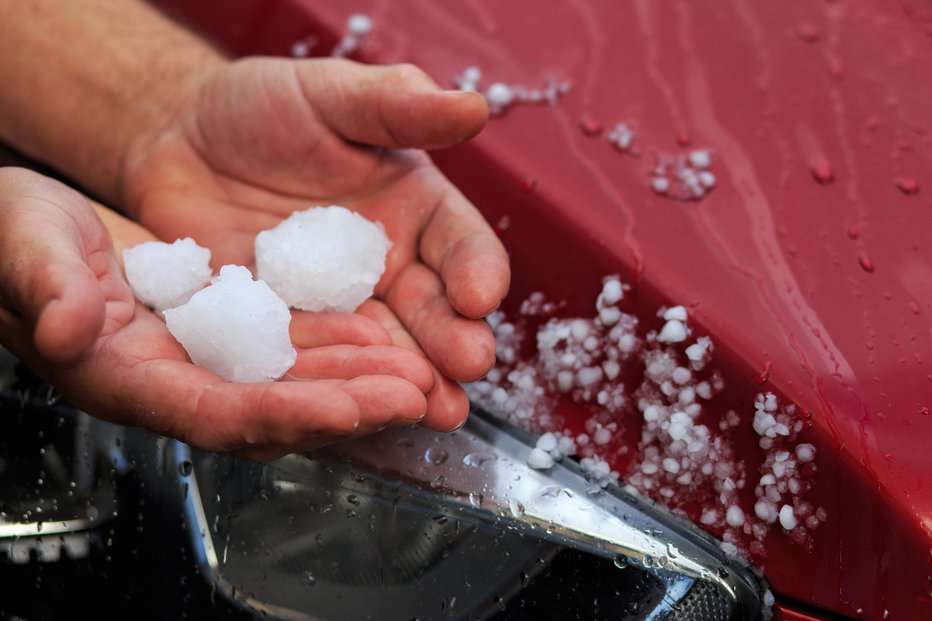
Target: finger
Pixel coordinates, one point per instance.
(459, 245)
(216, 415)
(463, 349)
(380, 313)
(394, 106)
(350, 361)
(447, 404)
(365, 404)
(49, 233)
(382, 401)
(385, 400)
(73, 315)
(310, 330)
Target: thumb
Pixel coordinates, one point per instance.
(47, 234)
(394, 106)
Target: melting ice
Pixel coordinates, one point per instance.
(237, 328)
(166, 275)
(324, 259)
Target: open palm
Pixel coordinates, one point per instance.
(68, 312)
(258, 139)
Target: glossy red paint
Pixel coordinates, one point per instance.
(810, 264)
(783, 612)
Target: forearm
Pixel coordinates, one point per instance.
(81, 80)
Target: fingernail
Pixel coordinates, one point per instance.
(462, 94)
(460, 426)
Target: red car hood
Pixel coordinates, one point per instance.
(809, 264)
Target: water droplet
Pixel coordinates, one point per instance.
(907, 185)
(765, 374)
(475, 499)
(438, 482)
(516, 508)
(808, 32)
(475, 460)
(589, 126)
(866, 263)
(647, 561)
(821, 170)
(350, 513)
(185, 468)
(308, 579)
(436, 455)
(353, 499)
(621, 561)
(405, 442)
(854, 232)
(550, 491)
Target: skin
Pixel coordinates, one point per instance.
(190, 144)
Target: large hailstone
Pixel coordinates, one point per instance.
(166, 275)
(237, 328)
(324, 259)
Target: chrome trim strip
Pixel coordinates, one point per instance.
(41, 529)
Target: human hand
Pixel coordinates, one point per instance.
(66, 310)
(254, 140)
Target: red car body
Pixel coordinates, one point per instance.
(809, 264)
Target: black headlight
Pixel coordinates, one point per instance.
(414, 524)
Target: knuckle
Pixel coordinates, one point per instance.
(408, 72)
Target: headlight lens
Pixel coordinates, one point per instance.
(429, 525)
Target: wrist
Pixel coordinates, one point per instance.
(80, 91)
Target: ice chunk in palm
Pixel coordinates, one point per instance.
(324, 259)
(166, 275)
(237, 328)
